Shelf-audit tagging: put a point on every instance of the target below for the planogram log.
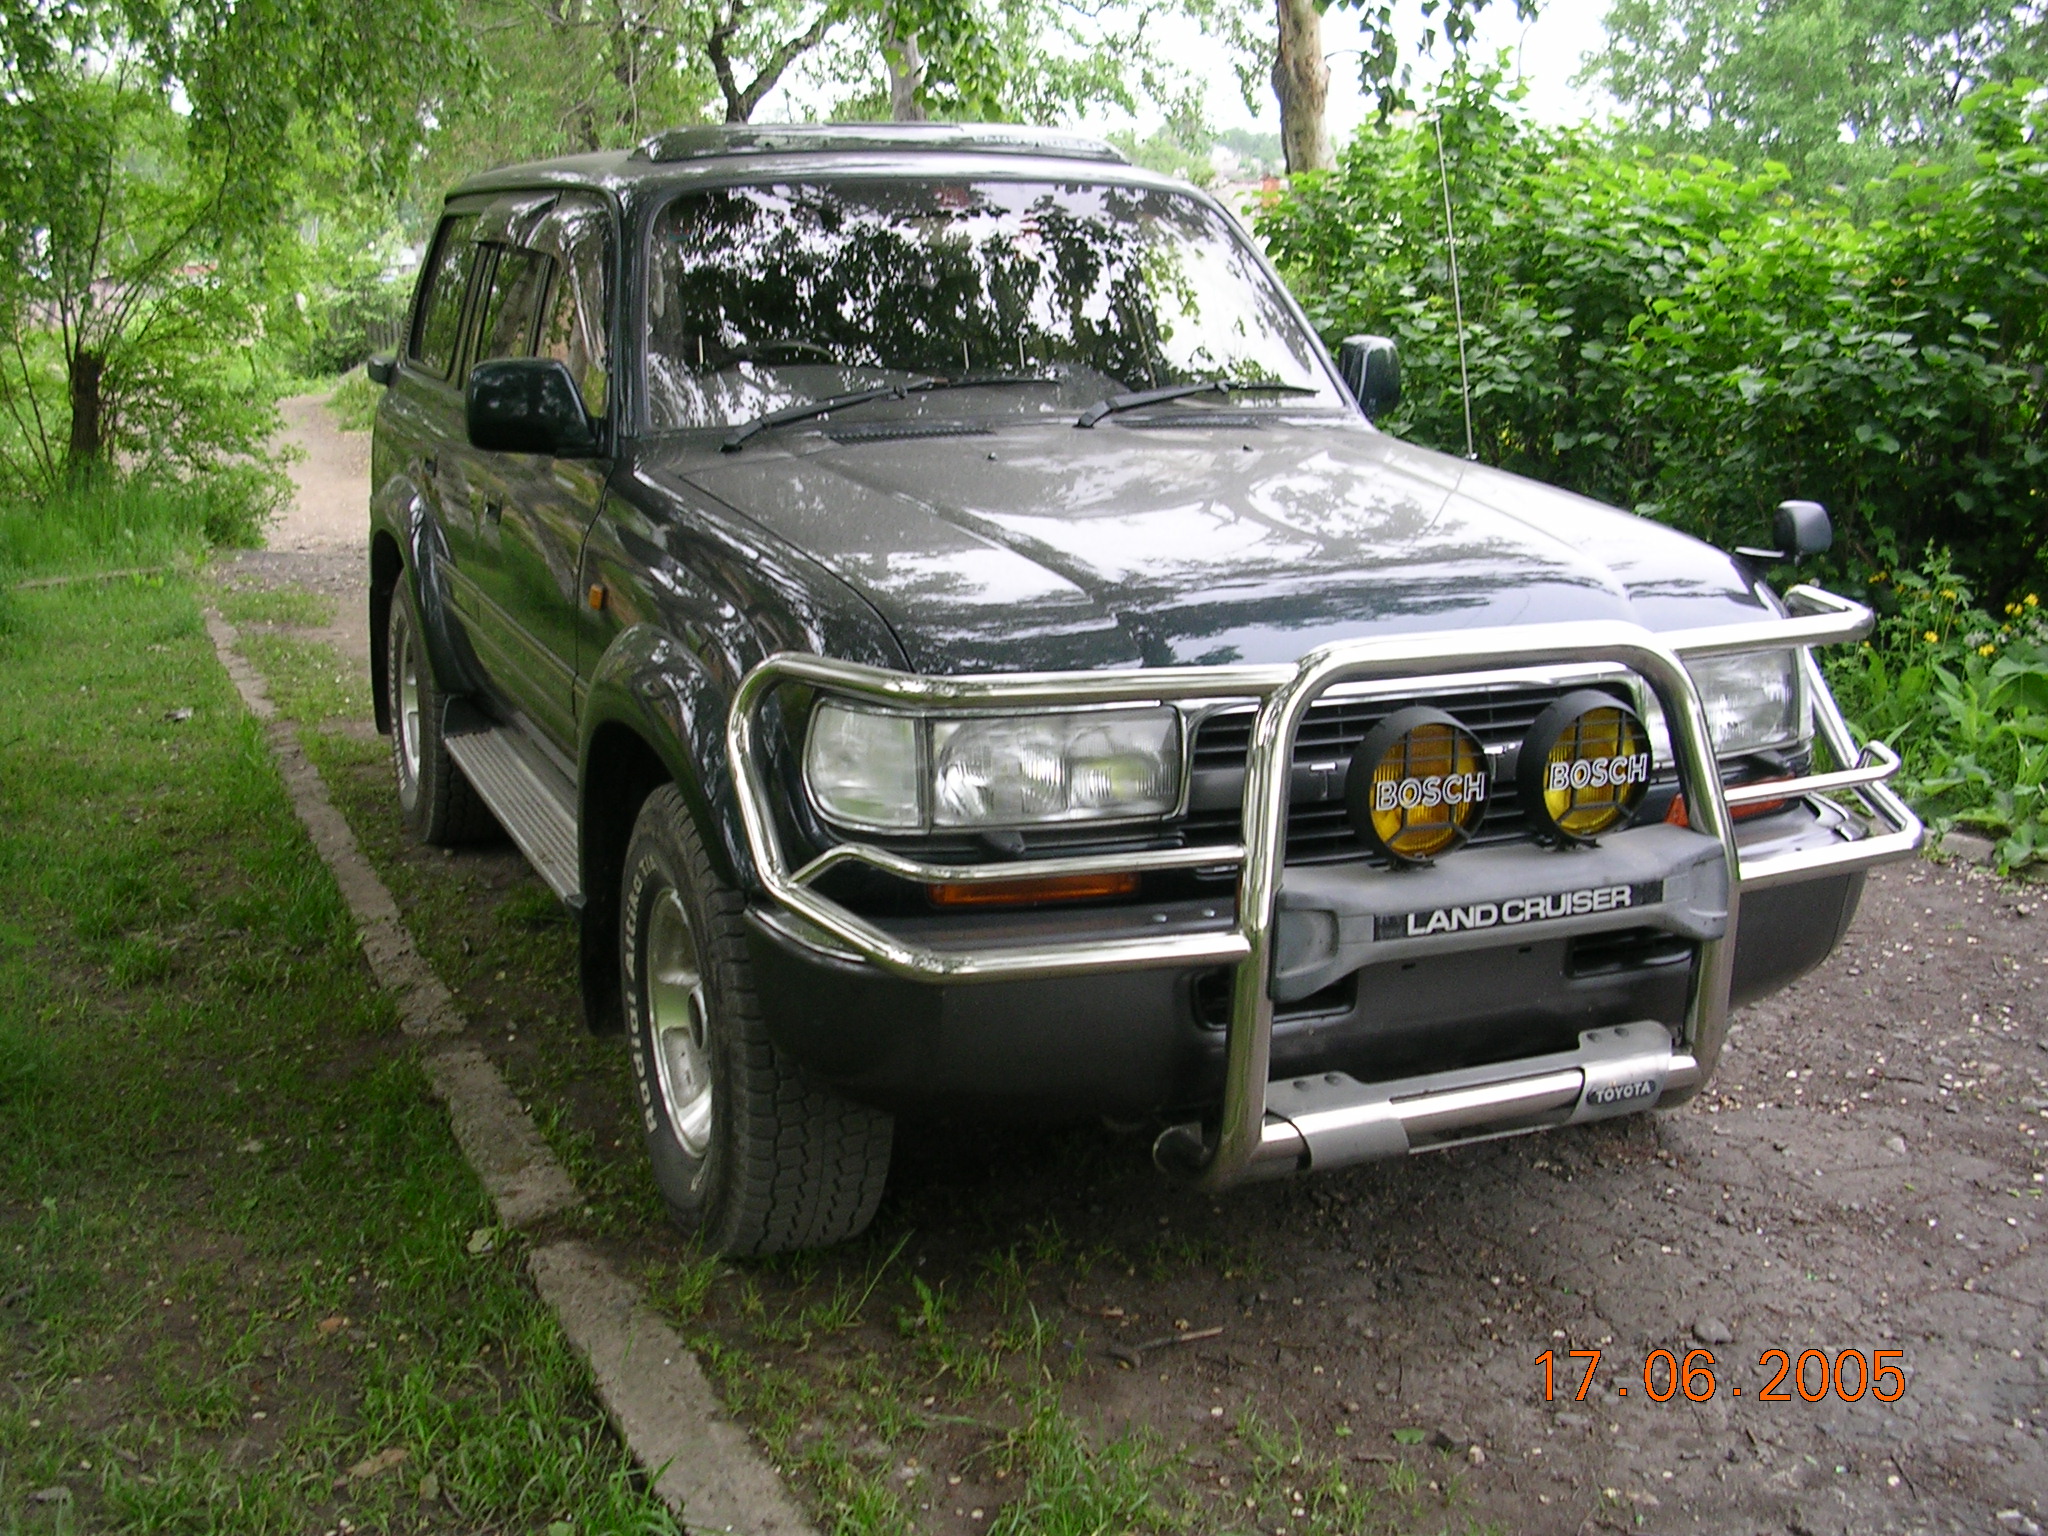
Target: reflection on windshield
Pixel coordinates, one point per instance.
(764, 296)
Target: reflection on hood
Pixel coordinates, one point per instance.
(1248, 541)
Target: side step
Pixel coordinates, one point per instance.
(1332, 1119)
(529, 802)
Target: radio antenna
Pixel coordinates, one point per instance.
(1457, 299)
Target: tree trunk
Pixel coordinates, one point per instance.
(906, 74)
(88, 411)
(1302, 82)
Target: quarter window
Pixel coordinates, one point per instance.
(438, 321)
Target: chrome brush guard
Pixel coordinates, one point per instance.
(1268, 1127)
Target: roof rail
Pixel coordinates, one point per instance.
(712, 141)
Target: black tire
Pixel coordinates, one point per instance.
(436, 801)
(750, 1155)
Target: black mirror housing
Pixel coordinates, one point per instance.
(1798, 529)
(527, 405)
(1371, 369)
(1801, 528)
(381, 370)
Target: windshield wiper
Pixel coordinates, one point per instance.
(808, 410)
(1139, 399)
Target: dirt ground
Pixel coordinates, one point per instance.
(1866, 1174)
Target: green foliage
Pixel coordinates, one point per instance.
(151, 159)
(1692, 341)
(574, 76)
(354, 401)
(1963, 697)
(118, 313)
(181, 989)
(1834, 89)
(116, 523)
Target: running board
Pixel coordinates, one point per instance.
(537, 813)
(1332, 1119)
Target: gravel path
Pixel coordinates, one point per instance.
(318, 542)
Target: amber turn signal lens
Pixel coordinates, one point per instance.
(1677, 816)
(1024, 893)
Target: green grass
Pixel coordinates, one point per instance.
(234, 1229)
(354, 401)
(124, 523)
(292, 606)
(309, 681)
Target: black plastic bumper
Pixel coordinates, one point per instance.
(1143, 1041)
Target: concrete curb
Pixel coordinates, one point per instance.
(702, 1465)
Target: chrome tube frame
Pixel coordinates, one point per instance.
(1284, 695)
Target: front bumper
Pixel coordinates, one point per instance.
(1290, 931)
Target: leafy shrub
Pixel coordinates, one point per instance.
(354, 401)
(108, 522)
(1963, 697)
(1675, 336)
(340, 322)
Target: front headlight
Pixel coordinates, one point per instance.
(865, 768)
(1753, 701)
(901, 773)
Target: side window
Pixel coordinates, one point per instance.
(577, 234)
(437, 319)
(518, 281)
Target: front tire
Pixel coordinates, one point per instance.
(750, 1156)
(436, 801)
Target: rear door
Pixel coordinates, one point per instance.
(545, 296)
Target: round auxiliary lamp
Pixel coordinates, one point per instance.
(1417, 786)
(1583, 768)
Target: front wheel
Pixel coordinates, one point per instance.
(750, 1155)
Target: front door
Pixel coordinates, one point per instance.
(545, 297)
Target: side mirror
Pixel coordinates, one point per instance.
(527, 405)
(1801, 528)
(1798, 529)
(381, 370)
(1371, 369)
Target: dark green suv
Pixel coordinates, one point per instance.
(930, 604)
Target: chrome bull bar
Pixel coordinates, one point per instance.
(1249, 1137)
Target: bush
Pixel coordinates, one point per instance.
(354, 401)
(1963, 697)
(1677, 337)
(340, 321)
(112, 523)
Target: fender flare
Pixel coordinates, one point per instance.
(675, 701)
(399, 508)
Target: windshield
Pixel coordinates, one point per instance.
(764, 297)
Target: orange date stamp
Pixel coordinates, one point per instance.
(1811, 1376)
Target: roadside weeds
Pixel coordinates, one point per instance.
(241, 1288)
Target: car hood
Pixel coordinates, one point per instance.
(1049, 547)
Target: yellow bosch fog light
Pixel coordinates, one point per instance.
(1417, 785)
(1584, 767)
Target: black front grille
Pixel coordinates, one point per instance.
(1318, 830)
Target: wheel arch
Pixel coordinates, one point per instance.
(653, 715)
(387, 565)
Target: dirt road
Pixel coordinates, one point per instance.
(1867, 1176)
(318, 542)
